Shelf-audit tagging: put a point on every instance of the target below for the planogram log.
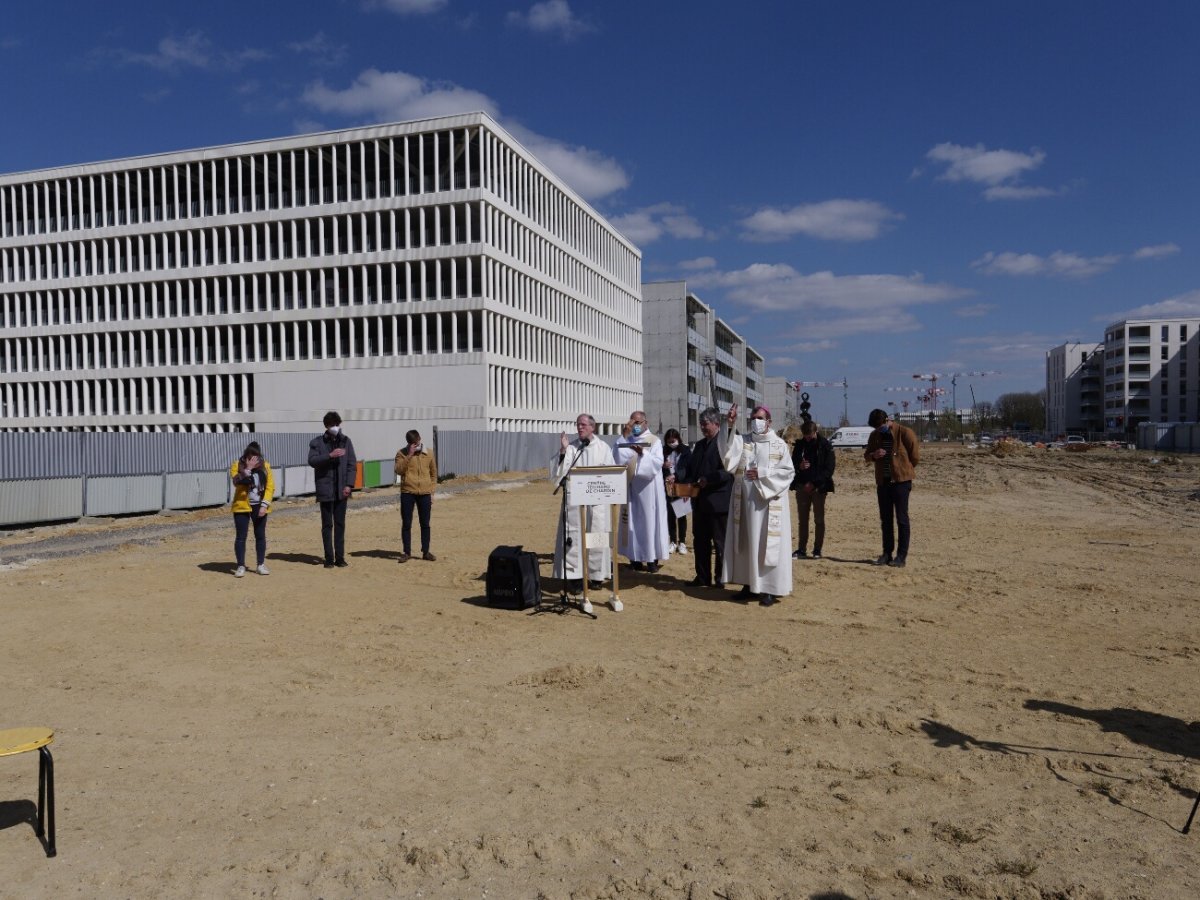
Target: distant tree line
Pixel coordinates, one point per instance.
(1024, 411)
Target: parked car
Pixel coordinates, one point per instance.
(986, 439)
(1075, 439)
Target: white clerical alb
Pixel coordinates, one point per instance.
(643, 536)
(758, 535)
(595, 453)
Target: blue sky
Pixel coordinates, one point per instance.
(864, 190)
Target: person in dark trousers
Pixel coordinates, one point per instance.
(814, 460)
(895, 451)
(417, 469)
(332, 457)
(675, 462)
(710, 508)
(253, 489)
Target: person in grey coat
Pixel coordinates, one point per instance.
(332, 457)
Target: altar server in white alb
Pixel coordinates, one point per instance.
(758, 536)
(585, 450)
(643, 537)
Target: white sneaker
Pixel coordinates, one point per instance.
(239, 572)
(586, 606)
(263, 570)
(615, 605)
(683, 549)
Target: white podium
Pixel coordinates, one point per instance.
(599, 486)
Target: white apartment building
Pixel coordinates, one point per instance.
(1074, 381)
(407, 275)
(1151, 372)
(693, 360)
(782, 398)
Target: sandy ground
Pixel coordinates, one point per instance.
(1010, 716)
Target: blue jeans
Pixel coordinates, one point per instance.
(241, 526)
(893, 501)
(424, 506)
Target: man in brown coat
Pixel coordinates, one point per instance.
(895, 451)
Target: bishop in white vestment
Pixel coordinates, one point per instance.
(758, 535)
(643, 538)
(585, 450)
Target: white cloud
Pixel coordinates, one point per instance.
(1019, 192)
(552, 17)
(999, 170)
(697, 264)
(1058, 264)
(1182, 306)
(193, 51)
(320, 50)
(830, 306)
(398, 96)
(406, 7)
(974, 311)
(983, 166)
(1156, 251)
(646, 225)
(1000, 348)
(833, 220)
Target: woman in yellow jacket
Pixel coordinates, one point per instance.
(253, 488)
(418, 472)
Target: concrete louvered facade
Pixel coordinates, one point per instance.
(408, 275)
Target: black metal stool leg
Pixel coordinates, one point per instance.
(45, 812)
(1192, 815)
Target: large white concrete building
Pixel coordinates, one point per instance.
(692, 360)
(1151, 372)
(408, 275)
(1074, 374)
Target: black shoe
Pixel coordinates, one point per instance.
(596, 585)
(816, 554)
(699, 581)
(800, 554)
(329, 563)
(897, 563)
(652, 567)
(719, 585)
(404, 557)
(767, 600)
(744, 593)
(884, 560)
(342, 564)
(637, 566)
(575, 586)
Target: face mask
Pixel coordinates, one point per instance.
(758, 426)
(637, 429)
(674, 445)
(884, 427)
(334, 429)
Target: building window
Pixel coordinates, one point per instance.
(1182, 333)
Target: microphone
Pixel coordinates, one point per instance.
(583, 442)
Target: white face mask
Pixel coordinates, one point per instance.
(334, 429)
(758, 426)
(674, 445)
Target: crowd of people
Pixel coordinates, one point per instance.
(735, 488)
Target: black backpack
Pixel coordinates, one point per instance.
(513, 578)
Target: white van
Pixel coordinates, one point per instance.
(850, 437)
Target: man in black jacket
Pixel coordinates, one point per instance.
(710, 508)
(814, 461)
(335, 469)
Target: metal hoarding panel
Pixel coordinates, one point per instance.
(118, 495)
(371, 473)
(297, 480)
(40, 500)
(189, 490)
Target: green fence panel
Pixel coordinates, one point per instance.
(372, 474)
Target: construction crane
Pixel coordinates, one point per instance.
(843, 384)
(933, 377)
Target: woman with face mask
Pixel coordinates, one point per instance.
(675, 462)
(758, 535)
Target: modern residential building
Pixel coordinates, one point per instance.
(1074, 384)
(1151, 372)
(693, 360)
(407, 275)
(782, 398)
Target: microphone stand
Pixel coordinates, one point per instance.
(564, 604)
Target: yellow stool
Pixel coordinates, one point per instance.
(25, 740)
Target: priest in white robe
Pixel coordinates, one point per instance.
(585, 450)
(643, 538)
(758, 535)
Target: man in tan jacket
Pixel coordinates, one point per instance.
(895, 451)
(418, 473)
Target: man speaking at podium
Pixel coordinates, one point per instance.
(585, 450)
